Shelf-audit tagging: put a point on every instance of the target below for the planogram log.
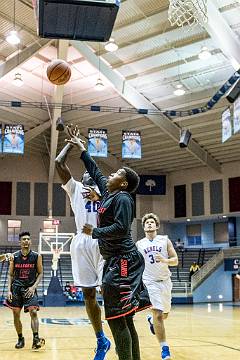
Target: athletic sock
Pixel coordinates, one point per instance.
(100, 336)
(164, 343)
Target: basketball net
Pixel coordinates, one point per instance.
(56, 256)
(187, 12)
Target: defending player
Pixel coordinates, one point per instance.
(124, 265)
(159, 254)
(25, 273)
(87, 263)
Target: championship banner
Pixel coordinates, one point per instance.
(226, 125)
(13, 139)
(131, 145)
(98, 142)
(236, 115)
(152, 185)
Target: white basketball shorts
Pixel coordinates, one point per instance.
(160, 293)
(87, 262)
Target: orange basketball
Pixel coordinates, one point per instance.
(58, 72)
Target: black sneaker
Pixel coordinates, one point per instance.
(20, 344)
(38, 343)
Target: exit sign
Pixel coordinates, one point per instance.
(56, 222)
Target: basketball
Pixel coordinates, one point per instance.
(58, 72)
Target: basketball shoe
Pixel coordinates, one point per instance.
(149, 319)
(20, 344)
(166, 353)
(38, 343)
(103, 345)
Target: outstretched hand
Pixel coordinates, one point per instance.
(75, 140)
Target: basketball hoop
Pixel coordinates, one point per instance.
(187, 12)
(56, 255)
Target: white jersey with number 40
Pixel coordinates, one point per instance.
(154, 271)
(85, 211)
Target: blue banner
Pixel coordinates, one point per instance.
(226, 125)
(231, 264)
(236, 115)
(131, 144)
(152, 185)
(13, 139)
(98, 142)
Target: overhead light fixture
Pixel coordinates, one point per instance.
(179, 91)
(17, 81)
(224, 216)
(185, 137)
(13, 38)
(99, 85)
(188, 219)
(111, 45)
(204, 53)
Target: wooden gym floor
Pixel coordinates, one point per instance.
(194, 332)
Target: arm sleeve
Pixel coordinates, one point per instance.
(123, 211)
(94, 172)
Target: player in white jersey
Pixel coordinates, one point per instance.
(87, 262)
(159, 254)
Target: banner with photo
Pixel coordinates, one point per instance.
(131, 144)
(236, 115)
(226, 125)
(98, 142)
(13, 139)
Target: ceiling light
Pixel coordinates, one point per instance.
(224, 216)
(17, 81)
(13, 38)
(204, 53)
(188, 219)
(111, 45)
(235, 64)
(99, 85)
(179, 91)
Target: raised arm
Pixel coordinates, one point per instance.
(94, 171)
(60, 161)
(89, 163)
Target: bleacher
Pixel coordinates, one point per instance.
(180, 274)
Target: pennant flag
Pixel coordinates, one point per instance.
(226, 125)
(236, 116)
(13, 139)
(131, 145)
(98, 142)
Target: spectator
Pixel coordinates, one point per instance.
(67, 288)
(179, 245)
(193, 269)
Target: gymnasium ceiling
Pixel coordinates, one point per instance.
(152, 58)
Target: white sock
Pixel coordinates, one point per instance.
(164, 343)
